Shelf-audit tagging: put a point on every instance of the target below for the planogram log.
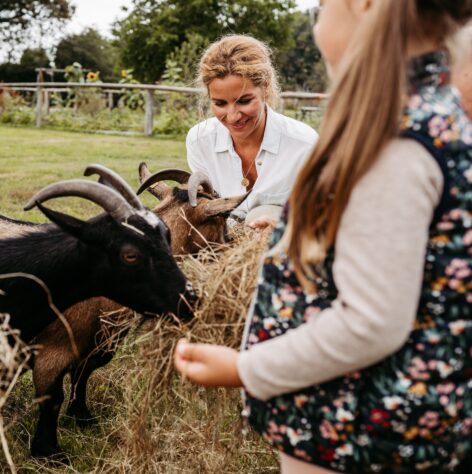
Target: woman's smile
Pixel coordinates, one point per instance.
(239, 105)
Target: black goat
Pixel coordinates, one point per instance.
(194, 216)
(123, 254)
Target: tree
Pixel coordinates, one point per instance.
(16, 16)
(34, 58)
(181, 64)
(22, 12)
(91, 50)
(301, 66)
(155, 28)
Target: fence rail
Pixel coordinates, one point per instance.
(43, 89)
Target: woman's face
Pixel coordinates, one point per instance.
(336, 23)
(238, 104)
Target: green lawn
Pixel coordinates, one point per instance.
(31, 159)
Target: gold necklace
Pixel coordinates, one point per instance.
(245, 181)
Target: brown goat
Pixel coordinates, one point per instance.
(195, 216)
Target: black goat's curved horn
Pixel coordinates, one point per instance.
(223, 206)
(107, 198)
(160, 190)
(113, 179)
(198, 179)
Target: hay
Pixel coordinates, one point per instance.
(172, 425)
(14, 356)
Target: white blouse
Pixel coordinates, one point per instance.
(285, 146)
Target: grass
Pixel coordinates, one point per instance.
(31, 159)
(149, 421)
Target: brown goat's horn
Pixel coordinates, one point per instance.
(160, 190)
(198, 179)
(114, 180)
(223, 205)
(107, 198)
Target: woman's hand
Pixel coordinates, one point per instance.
(263, 224)
(207, 364)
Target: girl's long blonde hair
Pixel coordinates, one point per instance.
(363, 114)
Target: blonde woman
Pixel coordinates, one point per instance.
(247, 145)
(356, 356)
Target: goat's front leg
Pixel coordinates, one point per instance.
(45, 439)
(78, 394)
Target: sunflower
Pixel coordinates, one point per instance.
(92, 76)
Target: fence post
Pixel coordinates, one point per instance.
(46, 102)
(149, 113)
(39, 100)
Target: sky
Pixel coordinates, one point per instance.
(102, 13)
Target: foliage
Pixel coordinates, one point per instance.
(301, 67)
(181, 64)
(88, 100)
(18, 16)
(34, 57)
(132, 98)
(11, 72)
(91, 50)
(22, 12)
(154, 29)
(74, 72)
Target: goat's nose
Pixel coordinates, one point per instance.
(190, 294)
(188, 300)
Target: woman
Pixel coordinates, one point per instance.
(247, 145)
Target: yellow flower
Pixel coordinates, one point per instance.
(124, 73)
(92, 76)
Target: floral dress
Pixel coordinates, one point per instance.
(411, 412)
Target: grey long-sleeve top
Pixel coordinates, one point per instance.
(378, 271)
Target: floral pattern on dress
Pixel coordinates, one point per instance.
(411, 412)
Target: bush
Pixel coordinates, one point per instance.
(20, 115)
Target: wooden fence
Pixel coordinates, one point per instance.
(44, 89)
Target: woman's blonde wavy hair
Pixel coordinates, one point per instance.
(362, 115)
(243, 56)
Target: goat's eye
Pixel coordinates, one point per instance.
(130, 256)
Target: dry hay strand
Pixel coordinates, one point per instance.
(14, 356)
(170, 425)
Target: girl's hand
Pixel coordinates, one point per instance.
(263, 224)
(207, 364)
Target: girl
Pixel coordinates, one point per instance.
(462, 71)
(357, 349)
(247, 145)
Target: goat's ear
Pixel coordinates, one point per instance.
(67, 223)
(222, 206)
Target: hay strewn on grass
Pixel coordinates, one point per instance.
(151, 421)
(14, 355)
